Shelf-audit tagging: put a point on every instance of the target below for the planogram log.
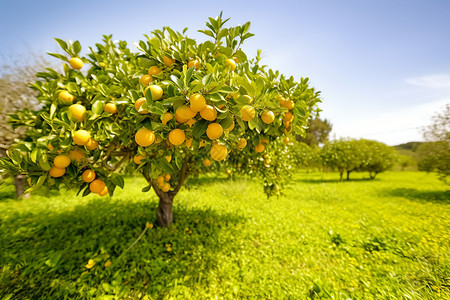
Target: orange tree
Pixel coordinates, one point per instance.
(167, 111)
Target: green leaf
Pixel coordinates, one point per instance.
(76, 47)
(62, 44)
(53, 108)
(166, 166)
(43, 162)
(147, 188)
(35, 155)
(206, 80)
(200, 128)
(118, 180)
(97, 107)
(60, 56)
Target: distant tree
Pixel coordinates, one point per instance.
(304, 156)
(376, 157)
(317, 133)
(435, 154)
(15, 95)
(341, 155)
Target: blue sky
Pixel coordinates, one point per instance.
(383, 66)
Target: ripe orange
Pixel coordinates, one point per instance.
(286, 140)
(218, 152)
(166, 118)
(154, 70)
(288, 117)
(56, 172)
(138, 104)
(260, 148)
(197, 102)
(241, 143)
(167, 177)
(92, 144)
(208, 113)
(97, 186)
(66, 97)
(61, 161)
(180, 119)
(168, 61)
(191, 122)
(88, 176)
(104, 192)
(76, 155)
(194, 63)
(177, 137)
(110, 108)
(268, 116)
(166, 187)
(228, 172)
(138, 158)
(264, 141)
(76, 63)
(289, 104)
(156, 91)
(168, 158)
(160, 180)
(102, 64)
(77, 111)
(231, 64)
(185, 112)
(144, 137)
(247, 113)
(207, 162)
(214, 131)
(81, 137)
(145, 79)
(50, 147)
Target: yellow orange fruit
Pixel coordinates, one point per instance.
(207, 162)
(110, 108)
(76, 63)
(194, 63)
(168, 61)
(241, 143)
(61, 161)
(218, 152)
(286, 140)
(214, 131)
(104, 192)
(102, 64)
(191, 122)
(81, 137)
(166, 187)
(208, 113)
(228, 172)
(167, 177)
(88, 176)
(50, 147)
(177, 137)
(166, 118)
(66, 97)
(138, 105)
(145, 79)
(156, 91)
(268, 116)
(97, 186)
(247, 113)
(289, 104)
(168, 158)
(154, 70)
(144, 137)
(288, 117)
(264, 141)
(185, 112)
(57, 172)
(76, 155)
(197, 102)
(180, 119)
(231, 64)
(77, 111)
(92, 144)
(160, 180)
(260, 148)
(138, 158)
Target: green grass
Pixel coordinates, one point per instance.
(383, 239)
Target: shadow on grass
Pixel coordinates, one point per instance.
(321, 180)
(7, 190)
(412, 194)
(44, 255)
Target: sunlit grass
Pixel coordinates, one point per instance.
(363, 239)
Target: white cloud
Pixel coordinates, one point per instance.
(431, 81)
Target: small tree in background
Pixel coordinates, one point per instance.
(317, 133)
(434, 155)
(341, 155)
(304, 156)
(376, 157)
(160, 112)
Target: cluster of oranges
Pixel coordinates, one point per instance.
(96, 186)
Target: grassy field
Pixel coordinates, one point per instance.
(383, 239)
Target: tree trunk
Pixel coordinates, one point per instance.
(165, 213)
(19, 182)
(348, 175)
(341, 172)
